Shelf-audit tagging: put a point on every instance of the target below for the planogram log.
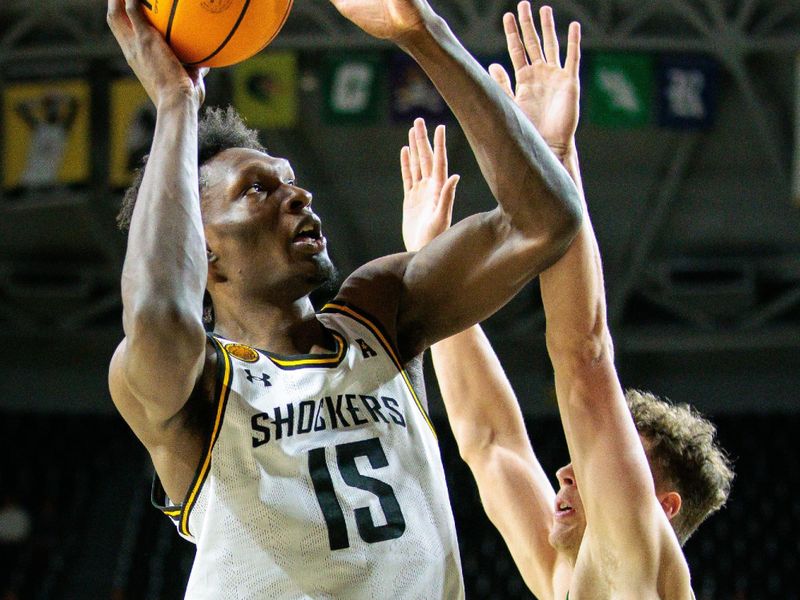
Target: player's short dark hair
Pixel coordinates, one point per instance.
(219, 129)
(684, 455)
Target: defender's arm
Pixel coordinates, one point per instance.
(488, 426)
(624, 519)
(480, 404)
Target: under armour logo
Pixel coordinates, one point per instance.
(366, 350)
(263, 379)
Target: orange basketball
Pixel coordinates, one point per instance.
(217, 33)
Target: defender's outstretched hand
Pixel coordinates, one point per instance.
(385, 19)
(547, 92)
(152, 60)
(428, 191)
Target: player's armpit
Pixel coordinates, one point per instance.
(151, 382)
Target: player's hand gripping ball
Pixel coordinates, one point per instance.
(217, 33)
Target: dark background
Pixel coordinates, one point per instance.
(698, 230)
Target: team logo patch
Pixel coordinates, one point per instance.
(242, 352)
(216, 6)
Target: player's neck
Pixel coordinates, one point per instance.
(285, 328)
(569, 557)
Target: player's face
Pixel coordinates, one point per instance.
(569, 520)
(260, 225)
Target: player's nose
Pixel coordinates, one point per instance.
(566, 476)
(297, 199)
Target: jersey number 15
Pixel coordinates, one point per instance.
(346, 455)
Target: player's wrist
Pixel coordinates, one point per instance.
(424, 33)
(563, 151)
(178, 99)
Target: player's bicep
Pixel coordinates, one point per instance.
(518, 498)
(149, 386)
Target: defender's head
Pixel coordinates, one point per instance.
(260, 231)
(691, 473)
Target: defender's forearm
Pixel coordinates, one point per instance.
(490, 431)
(573, 293)
(525, 177)
(480, 403)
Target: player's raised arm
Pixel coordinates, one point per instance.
(164, 275)
(480, 403)
(473, 269)
(623, 517)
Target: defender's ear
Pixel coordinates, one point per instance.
(671, 503)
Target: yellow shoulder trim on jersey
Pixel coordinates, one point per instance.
(388, 346)
(320, 360)
(223, 390)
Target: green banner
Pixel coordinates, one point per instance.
(621, 88)
(265, 90)
(351, 86)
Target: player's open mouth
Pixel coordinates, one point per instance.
(563, 509)
(309, 238)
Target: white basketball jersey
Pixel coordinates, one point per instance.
(322, 478)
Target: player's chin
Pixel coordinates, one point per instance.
(325, 273)
(566, 536)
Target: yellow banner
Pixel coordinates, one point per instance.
(46, 139)
(265, 90)
(133, 120)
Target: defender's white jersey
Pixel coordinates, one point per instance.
(322, 478)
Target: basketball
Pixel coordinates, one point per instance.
(217, 33)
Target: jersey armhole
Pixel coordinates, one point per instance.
(179, 514)
(160, 500)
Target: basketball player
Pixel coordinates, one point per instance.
(644, 473)
(291, 446)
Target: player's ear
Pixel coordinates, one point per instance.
(671, 503)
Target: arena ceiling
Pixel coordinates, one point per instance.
(700, 236)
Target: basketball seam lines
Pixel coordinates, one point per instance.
(172, 12)
(227, 39)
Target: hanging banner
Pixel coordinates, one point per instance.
(351, 86)
(133, 121)
(412, 93)
(265, 90)
(687, 91)
(796, 170)
(620, 89)
(46, 136)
